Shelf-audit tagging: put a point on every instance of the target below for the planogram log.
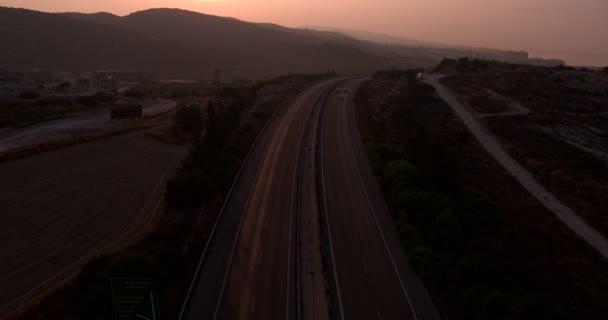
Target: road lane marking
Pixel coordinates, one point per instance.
(364, 266)
(378, 314)
(369, 203)
(259, 257)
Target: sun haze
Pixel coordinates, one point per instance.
(571, 30)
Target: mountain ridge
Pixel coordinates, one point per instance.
(187, 44)
(171, 42)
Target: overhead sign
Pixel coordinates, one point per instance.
(134, 299)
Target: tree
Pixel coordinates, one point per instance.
(188, 189)
(188, 117)
(214, 134)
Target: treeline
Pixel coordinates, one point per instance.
(442, 225)
(205, 171)
(151, 89)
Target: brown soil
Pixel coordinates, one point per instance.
(61, 207)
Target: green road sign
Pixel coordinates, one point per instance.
(134, 299)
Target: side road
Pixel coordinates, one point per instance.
(523, 176)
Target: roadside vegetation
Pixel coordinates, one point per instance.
(484, 248)
(554, 121)
(170, 252)
(179, 90)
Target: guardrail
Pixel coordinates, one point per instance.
(218, 219)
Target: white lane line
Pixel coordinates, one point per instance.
(369, 203)
(252, 304)
(364, 266)
(264, 129)
(378, 314)
(259, 257)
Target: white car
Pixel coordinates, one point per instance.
(420, 76)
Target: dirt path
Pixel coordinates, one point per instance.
(61, 207)
(523, 176)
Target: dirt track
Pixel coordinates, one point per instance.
(61, 207)
(567, 215)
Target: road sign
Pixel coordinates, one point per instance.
(134, 299)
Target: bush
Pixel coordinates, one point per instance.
(188, 189)
(380, 155)
(188, 117)
(400, 174)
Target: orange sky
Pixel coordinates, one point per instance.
(574, 30)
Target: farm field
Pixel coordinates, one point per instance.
(61, 207)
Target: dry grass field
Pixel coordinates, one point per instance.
(61, 207)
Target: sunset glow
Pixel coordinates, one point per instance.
(505, 24)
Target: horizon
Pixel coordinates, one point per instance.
(519, 25)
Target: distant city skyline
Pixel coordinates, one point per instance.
(574, 31)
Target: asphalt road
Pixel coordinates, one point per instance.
(80, 121)
(248, 271)
(374, 280)
(523, 176)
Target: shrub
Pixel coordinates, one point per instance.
(188, 189)
(400, 174)
(188, 117)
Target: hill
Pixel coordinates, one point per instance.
(185, 44)
(172, 42)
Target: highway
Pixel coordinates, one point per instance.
(374, 280)
(249, 269)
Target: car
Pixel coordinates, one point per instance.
(341, 97)
(420, 76)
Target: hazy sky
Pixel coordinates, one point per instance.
(574, 30)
